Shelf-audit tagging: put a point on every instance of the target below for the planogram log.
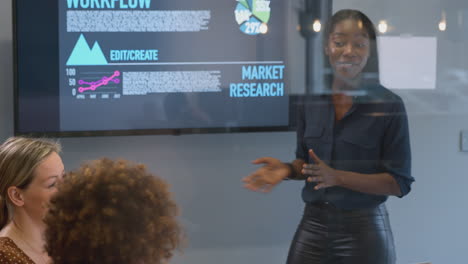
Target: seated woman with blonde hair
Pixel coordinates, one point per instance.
(29, 172)
(112, 212)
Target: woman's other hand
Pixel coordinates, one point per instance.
(320, 172)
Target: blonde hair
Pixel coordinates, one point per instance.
(19, 156)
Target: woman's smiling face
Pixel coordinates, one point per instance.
(44, 184)
(348, 49)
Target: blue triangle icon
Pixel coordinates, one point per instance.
(83, 55)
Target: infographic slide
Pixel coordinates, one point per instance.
(168, 64)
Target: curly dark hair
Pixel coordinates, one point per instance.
(112, 212)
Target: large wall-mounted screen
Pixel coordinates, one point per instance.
(90, 67)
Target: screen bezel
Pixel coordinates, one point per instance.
(51, 101)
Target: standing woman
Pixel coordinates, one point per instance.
(29, 172)
(353, 151)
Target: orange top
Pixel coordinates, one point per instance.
(10, 253)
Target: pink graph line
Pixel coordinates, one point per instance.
(104, 81)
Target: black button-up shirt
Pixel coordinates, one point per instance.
(371, 138)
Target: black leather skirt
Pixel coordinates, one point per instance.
(328, 235)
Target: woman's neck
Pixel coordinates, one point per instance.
(27, 235)
(340, 85)
(29, 230)
(342, 97)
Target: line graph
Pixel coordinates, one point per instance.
(96, 84)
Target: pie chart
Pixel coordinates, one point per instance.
(253, 16)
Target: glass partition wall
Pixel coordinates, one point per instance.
(422, 60)
(406, 119)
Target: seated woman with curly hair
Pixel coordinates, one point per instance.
(112, 212)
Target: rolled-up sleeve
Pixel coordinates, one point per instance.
(396, 150)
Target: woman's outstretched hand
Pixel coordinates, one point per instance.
(268, 176)
(320, 172)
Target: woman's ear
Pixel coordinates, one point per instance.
(15, 195)
(327, 51)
